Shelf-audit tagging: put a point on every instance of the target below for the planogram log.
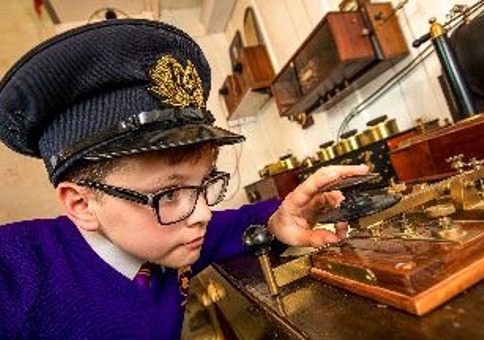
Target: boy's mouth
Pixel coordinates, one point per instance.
(195, 243)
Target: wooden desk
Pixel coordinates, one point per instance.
(309, 309)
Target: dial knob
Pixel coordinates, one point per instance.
(258, 239)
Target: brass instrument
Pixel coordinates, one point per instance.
(414, 254)
(461, 188)
(285, 163)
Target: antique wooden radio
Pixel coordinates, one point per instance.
(424, 157)
(345, 51)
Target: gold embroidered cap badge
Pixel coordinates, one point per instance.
(176, 85)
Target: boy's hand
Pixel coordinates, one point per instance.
(292, 223)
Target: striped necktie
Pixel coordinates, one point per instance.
(143, 277)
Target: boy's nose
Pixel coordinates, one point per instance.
(201, 213)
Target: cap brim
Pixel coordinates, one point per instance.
(145, 140)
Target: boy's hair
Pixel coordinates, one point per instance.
(98, 171)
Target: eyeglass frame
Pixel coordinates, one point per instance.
(153, 199)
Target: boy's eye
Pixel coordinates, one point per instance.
(169, 196)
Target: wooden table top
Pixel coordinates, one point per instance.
(314, 310)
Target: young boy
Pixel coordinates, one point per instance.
(117, 112)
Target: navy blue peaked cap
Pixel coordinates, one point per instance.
(106, 90)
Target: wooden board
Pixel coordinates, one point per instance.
(426, 155)
(413, 276)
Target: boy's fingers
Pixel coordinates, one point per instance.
(325, 176)
(341, 229)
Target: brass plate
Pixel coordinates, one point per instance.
(360, 274)
(292, 271)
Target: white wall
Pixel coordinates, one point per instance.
(285, 24)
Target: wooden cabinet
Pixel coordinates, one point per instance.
(272, 187)
(345, 51)
(246, 89)
(424, 157)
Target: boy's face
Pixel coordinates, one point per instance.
(134, 227)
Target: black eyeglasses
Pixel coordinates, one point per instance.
(175, 204)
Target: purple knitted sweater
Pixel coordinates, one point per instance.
(53, 285)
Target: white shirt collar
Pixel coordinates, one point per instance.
(117, 258)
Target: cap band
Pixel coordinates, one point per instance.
(162, 119)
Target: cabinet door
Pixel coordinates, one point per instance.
(316, 59)
(255, 68)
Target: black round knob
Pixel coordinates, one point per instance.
(258, 239)
(377, 120)
(416, 43)
(284, 157)
(327, 144)
(348, 134)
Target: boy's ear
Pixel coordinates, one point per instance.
(76, 202)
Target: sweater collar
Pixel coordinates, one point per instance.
(124, 263)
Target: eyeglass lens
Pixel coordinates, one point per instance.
(176, 204)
